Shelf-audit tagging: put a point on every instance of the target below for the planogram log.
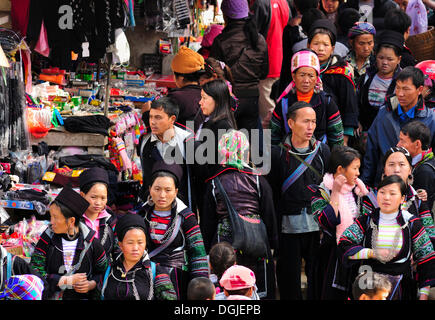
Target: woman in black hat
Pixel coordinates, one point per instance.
(132, 274)
(93, 187)
(335, 72)
(68, 255)
(175, 240)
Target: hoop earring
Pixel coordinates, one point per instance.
(410, 179)
(71, 237)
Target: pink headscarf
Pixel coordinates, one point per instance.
(210, 33)
(303, 59)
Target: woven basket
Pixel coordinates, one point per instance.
(422, 45)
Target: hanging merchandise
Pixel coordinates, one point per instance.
(71, 25)
(42, 46)
(120, 49)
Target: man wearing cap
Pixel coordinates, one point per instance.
(188, 66)
(169, 142)
(244, 50)
(299, 161)
(68, 255)
(406, 105)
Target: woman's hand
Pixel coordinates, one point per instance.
(84, 286)
(339, 181)
(422, 194)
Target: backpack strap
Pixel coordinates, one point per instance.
(284, 105)
(153, 269)
(8, 266)
(106, 277)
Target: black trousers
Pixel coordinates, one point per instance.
(292, 249)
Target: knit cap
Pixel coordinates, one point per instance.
(360, 28)
(237, 277)
(235, 9)
(187, 61)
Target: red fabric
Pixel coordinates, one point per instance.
(279, 17)
(20, 15)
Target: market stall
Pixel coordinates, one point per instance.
(68, 114)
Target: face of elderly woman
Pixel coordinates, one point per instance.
(59, 224)
(163, 192)
(133, 245)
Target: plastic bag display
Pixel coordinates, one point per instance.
(25, 234)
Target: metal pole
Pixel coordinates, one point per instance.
(109, 75)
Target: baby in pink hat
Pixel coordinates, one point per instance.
(238, 283)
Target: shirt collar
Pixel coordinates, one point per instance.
(410, 113)
(179, 133)
(103, 214)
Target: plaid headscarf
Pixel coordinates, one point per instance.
(304, 58)
(233, 147)
(23, 287)
(360, 28)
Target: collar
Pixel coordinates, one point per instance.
(422, 157)
(409, 114)
(178, 133)
(289, 146)
(103, 214)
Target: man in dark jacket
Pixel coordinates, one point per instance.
(290, 176)
(169, 142)
(406, 105)
(244, 50)
(416, 138)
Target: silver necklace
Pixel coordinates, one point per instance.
(391, 252)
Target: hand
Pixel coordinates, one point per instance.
(422, 194)
(84, 286)
(424, 297)
(338, 183)
(382, 255)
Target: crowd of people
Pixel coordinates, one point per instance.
(346, 123)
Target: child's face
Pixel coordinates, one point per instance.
(379, 295)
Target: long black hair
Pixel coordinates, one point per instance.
(218, 90)
(386, 181)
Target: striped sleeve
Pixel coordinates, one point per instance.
(197, 257)
(334, 130)
(323, 212)
(350, 247)
(423, 253)
(428, 223)
(39, 256)
(38, 262)
(163, 287)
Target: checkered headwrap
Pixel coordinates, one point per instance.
(23, 287)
